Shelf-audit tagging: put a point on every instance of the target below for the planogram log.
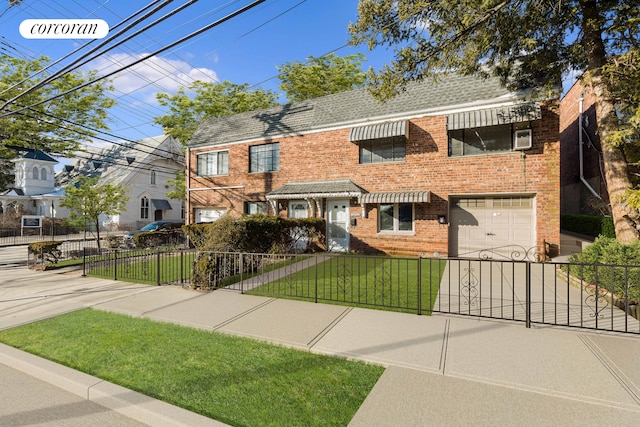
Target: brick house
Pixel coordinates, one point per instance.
(461, 167)
(582, 186)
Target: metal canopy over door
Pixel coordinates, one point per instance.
(493, 227)
(338, 225)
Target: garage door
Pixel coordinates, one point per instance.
(492, 227)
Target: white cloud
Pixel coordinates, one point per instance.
(152, 75)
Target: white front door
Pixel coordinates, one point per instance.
(338, 225)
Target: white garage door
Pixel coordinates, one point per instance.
(492, 227)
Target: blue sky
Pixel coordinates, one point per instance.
(246, 49)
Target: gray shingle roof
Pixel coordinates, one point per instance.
(299, 189)
(39, 155)
(350, 108)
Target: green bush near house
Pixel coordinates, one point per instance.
(612, 265)
(589, 225)
(247, 234)
(46, 251)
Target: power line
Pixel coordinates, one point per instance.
(169, 46)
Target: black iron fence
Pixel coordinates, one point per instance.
(61, 253)
(603, 297)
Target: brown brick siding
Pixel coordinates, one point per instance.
(330, 156)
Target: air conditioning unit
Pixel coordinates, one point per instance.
(522, 139)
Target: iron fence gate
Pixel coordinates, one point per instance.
(603, 297)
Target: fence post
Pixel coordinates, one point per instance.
(316, 283)
(182, 266)
(115, 264)
(528, 294)
(158, 269)
(419, 286)
(84, 263)
(241, 262)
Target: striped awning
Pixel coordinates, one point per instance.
(380, 130)
(396, 197)
(161, 204)
(494, 116)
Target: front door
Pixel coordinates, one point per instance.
(338, 225)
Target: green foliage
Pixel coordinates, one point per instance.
(603, 266)
(203, 100)
(589, 225)
(320, 76)
(55, 127)
(88, 199)
(46, 251)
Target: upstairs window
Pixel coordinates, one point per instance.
(36, 173)
(153, 177)
(383, 150)
(264, 158)
(212, 164)
(43, 174)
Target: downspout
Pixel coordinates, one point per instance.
(580, 145)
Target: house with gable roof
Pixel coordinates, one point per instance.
(459, 167)
(143, 168)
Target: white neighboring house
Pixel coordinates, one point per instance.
(34, 191)
(144, 169)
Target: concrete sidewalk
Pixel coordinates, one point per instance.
(442, 370)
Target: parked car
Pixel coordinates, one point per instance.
(170, 227)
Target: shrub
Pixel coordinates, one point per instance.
(589, 225)
(46, 251)
(606, 264)
(113, 242)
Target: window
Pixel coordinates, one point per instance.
(35, 173)
(43, 174)
(144, 208)
(182, 210)
(264, 158)
(483, 140)
(251, 208)
(153, 177)
(383, 150)
(211, 164)
(396, 217)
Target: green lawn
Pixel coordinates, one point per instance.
(238, 381)
(377, 282)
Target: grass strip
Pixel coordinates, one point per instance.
(239, 381)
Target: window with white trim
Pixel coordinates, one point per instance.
(153, 177)
(251, 208)
(395, 217)
(213, 163)
(264, 158)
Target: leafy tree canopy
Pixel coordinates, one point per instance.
(208, 100)
(88, 199)
(55, 127)
(320, 76)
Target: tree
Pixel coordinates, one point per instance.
(56, 127)
(524, 42)
(87, 199)
(209, 100)
(320, 76)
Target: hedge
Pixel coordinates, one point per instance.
(589, 225)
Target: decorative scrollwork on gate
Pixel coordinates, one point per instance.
(382, 282)
(596, 300)
(512, 253)
(345, 278)
(469, 289)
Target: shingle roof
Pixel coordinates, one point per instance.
(350, 108)
(299, 189)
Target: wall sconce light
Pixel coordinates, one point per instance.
(442, 219)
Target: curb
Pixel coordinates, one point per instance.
(129, 403)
